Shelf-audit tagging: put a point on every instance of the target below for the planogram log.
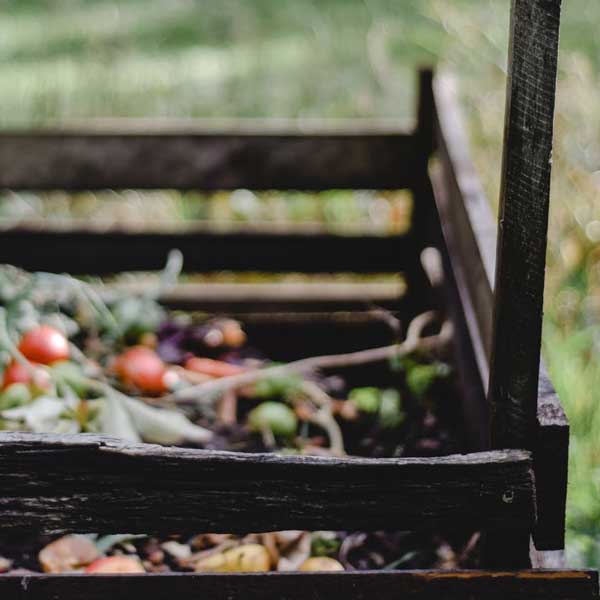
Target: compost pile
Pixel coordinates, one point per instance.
(77, 360)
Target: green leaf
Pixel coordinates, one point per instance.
(114, 420)
(420, 378)
(163, 426)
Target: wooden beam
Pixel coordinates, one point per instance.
(551, 464)
(90, 250)
(470, 235)
(287, 296)
(144, 158)
(365, 585)
(55, 484)
(523, 222)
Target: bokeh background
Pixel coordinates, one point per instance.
(66, 59)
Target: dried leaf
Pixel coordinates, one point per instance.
(163, 426)
(40, 416)
(269, 541)
(177, 550)
(295, 554)
(115, 420)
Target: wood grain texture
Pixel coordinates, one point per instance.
(91, 159)
(524, 202)
(470, 235)
(466, 219)
(391, 585)
(55, 484)
(90, 250)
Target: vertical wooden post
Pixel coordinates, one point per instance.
(521, 250)
(523, 222)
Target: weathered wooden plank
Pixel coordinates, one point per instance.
(139, 157)
(89, 483)
(551, 463)
(524, 201)
(365, 585)
(467, 223)
(287, 296)
(90, 250)
(470, 234)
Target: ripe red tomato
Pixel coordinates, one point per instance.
(116, 564)
(142, 368)
(213, 368)
(44, 345)
(15, 372)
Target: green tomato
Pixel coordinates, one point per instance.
(391, 414)
(16, 394)
(367, 399)
(71, 374)
(277, 417)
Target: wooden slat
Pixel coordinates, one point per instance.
(551, 463)
(523, 218)
(470, 234)
(391, 585)
(467, 223)
(90, 250)
(140, 157)
(287, 296)
(88, 483)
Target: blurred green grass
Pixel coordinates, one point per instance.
(344, 58)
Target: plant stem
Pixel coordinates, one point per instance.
(213, 389)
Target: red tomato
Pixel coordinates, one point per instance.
(142, 368)
(116, 564)
(15, 372)
(44, 345)
(213, 368)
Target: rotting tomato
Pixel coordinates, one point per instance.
(116, 564)
(142, 368)
(15, 372)
(44, 345)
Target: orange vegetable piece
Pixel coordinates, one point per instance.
(213, 368)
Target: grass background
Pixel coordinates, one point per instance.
(344, 58)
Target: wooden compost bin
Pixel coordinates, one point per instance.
(511, 484)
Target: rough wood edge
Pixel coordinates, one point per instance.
(21, 442)
(365, 585)
(523, 221)
(85, 482)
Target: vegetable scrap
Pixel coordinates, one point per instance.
(75, 359)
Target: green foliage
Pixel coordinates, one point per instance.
(16, 394)
(420, 378)
(325, 543)
(385, 404)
